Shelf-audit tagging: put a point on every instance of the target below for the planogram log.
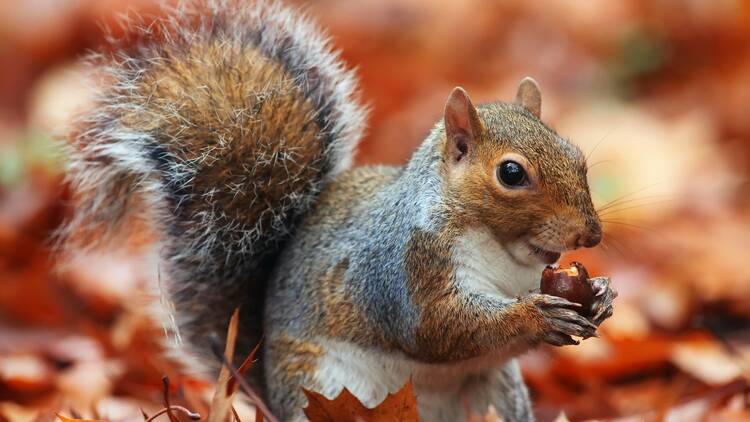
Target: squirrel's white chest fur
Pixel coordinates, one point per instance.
(482, 266)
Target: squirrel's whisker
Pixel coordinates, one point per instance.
(629, 195)
(590, 166)
(603, 138)
(626, 207)
(630, 225)
(625, 202)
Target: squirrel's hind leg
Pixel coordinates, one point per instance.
(290, 364)
(504, 389)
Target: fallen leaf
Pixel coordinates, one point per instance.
(399, 406)
(221, 404)
(12, 412)
(26, 373)
(246, 364)
(707, 361)
(562, 418)
(64, 419)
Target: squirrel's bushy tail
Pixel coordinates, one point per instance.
(221, 125)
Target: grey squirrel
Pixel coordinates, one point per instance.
(229, 129)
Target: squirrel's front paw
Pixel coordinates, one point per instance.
(604, 296)
(560, 320)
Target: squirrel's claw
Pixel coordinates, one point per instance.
(561, 320)
(550, 301)
(560, 339)
(604, 297)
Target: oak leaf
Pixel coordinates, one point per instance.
(399, 406)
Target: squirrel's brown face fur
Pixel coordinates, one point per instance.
(508, 171)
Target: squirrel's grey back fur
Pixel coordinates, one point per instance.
(221, 125)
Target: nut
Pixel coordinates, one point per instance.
(570, 283)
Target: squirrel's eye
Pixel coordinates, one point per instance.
(511, 174)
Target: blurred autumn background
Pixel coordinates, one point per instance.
(657, 92)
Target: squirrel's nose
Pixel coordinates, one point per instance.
(589, 239)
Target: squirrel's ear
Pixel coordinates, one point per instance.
(462, 125)
(529, 96)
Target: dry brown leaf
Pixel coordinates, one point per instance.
(26, 373)
(562, 417)
(399, 406)
(12, 412)
(221, 404)
(707, 361)
(244, 367)
(65, 419)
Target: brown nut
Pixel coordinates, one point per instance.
(570, 283)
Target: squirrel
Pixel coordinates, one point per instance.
(229, 128)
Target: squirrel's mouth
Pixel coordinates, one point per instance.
(548, 257)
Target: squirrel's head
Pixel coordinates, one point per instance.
(506, 170)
